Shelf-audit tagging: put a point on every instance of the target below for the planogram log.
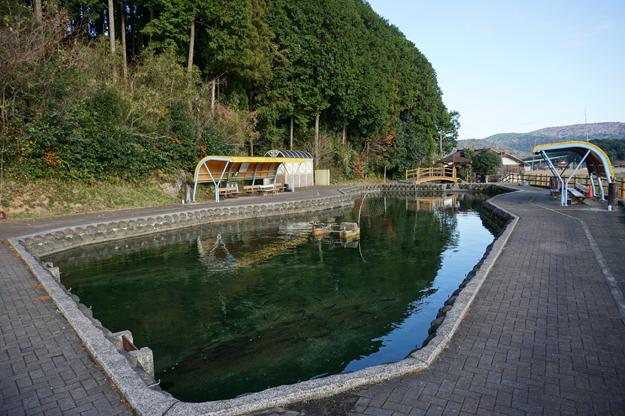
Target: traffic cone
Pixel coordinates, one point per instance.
(590, 192)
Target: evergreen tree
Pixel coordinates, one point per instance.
(486, 163)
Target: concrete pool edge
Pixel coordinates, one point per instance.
(146, 401)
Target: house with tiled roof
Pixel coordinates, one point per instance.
(510, 163)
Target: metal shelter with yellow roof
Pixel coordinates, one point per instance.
(217, 169)
(597, 163)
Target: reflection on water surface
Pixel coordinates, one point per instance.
(234, 308)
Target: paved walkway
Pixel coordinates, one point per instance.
(543, 336)
(44, 370)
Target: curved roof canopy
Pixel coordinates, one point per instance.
(289, 153)
(597, 162)
(217, 169)
(596, 159)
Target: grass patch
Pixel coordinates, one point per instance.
(52, 197)
(370, 180)
(44, 198)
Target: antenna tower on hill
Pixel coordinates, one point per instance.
(586, 119)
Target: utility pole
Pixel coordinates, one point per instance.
(111, 22)
(440, 144)
(533, 156)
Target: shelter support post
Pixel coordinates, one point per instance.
(219, 183)
(229, 174)
(255, 172)
(196, 180)
(293, 177)
(563, 191)
(600, 187)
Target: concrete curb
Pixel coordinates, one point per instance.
(115, 365)
(132, 382)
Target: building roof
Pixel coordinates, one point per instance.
(513, 157)
(502, 154)
(454, 158)
(289, 153)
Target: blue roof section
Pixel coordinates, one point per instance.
(289, 153)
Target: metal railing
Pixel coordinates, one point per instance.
(544, 180)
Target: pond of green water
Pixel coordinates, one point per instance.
(237, 308)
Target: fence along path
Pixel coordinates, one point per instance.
(543, 180)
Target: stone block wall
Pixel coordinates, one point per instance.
(60, 240)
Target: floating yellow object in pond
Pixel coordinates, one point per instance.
(346, 230)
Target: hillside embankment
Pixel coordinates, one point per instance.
(49, 197)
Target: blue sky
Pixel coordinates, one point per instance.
(518, 66)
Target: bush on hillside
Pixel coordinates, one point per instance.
(82, 123)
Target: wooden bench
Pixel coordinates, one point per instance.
(554, 193)
(582, 188)
(577, 195)
(580, 192)
(229, 191)
(250, 189)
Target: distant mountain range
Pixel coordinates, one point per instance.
(522, 144)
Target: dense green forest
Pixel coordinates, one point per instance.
(97, 89)
(614, 148)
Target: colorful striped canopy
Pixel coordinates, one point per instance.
(218, 169)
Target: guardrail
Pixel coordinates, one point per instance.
(543, 180)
